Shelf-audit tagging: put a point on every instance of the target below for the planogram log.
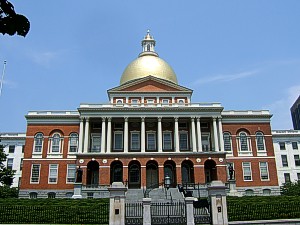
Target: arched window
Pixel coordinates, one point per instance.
(243, 141)
(249, 192)
(69, 194)
(260, 141)
(73, 142)
(51, 195)
(267, 192)
(227, 141)
(38, 143)
(55, 143)
(148, 48)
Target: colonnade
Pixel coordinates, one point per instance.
(106, 134)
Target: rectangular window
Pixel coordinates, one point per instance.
(167, 141)
(135, 141)
(21, 164)
(297, 160)
(227, 142)
(150, 102)
(284, 161)
(96, 143)
(134, 102)
(73, 143)
(118, 140)
(10, 163)
(205, 142)
(264, 173)
(295, 145)
(71, 173)
(11, 149)
(282, 145)
(165, 102)
(53, 173)
(35, 173)
(23, 148)
(183, 140)
(287, 177)
(247, 173)
(151, 141)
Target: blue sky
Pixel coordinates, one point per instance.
(244, 54)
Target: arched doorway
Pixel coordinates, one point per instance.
(116, 171)
(187, 172)
(210, 171)
(134, 174)
(170, 170)
(92, 177)
(152, 174)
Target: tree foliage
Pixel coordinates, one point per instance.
(6, 175)
(8, 192)
(290, 189)
(12, 23)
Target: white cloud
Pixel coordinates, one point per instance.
(281, 108)
(226, 77)
(46, 58)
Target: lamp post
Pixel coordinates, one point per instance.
(167, 183)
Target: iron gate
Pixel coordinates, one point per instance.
(168, 213)
(133, 213)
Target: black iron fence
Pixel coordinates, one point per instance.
(55, 214)
(133, 213)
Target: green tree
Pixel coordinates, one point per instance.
(12, 23)
(290, 189)
(6, 175)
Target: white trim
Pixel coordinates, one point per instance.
(67, 175)
(267, 171)
(49, 174)
(244, 171)
(118, 132)
(32, 171)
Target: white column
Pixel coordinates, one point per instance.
(221, 134)
(108, 142)
(176, 135)
(103, 136)
(199, 137)
(215, 134)
(143, 134)
(194, 141)
(86, 135)
(80, 141)
(159, 134)
(126, 134)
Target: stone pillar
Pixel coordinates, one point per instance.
(103, 136)
(159, 134)
(176, 135)
(199, 137)
(77, 190)
(143, 139)
(126, 134)
(194, 141)
(146, 211)
(108, 142)
(86, 135)
(215, 134)
(117, 203)
(80, 141)
(217, 194)
(189, 210)
(221, 134)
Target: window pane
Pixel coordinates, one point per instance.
(295, 145)
(96, 143)
(287, 178)
(260, 142)
(282, 145)
(183, 141)
(11, 149)
(71, 173)
(73, 142)
(243, 142)
(151, 141)
(10, 163)
(135, 141)
(297, 160)
(264, 171)
(247, 171)
(55, 143)
(167, 140)
(53, 173)
(227, 142)
(284, 161)
(118, 145)
(35, 173)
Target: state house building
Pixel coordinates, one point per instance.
(150, 128)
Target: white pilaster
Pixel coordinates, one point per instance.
(103, 135)
(159, 134)
(215, 134)
(176, 135)
(108, 142)
(199, 137)
(143, 134)
(126, 134)
(86, 135)
(80, 141)
(194, 141)
(221, 134)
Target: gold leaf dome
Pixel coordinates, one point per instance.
(148, 63)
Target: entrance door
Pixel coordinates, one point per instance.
(152, 175)
(134, 176)
(93, 173)
(187, 172)
(170, 170)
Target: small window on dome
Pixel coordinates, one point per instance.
(148, 48)
(180, 101)
(119, 102)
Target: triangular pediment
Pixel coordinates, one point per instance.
(150, 84)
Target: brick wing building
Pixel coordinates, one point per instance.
(149, 129)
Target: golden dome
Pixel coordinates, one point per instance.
(148, 63)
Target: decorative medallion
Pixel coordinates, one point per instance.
(93, 159)
(81, 161)
(152, 158)
(169, 158)
(187, 158)
(104, 160)
(198, 160)
(133, 158)
(116, 158)
(221, 159)
(209, 158)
